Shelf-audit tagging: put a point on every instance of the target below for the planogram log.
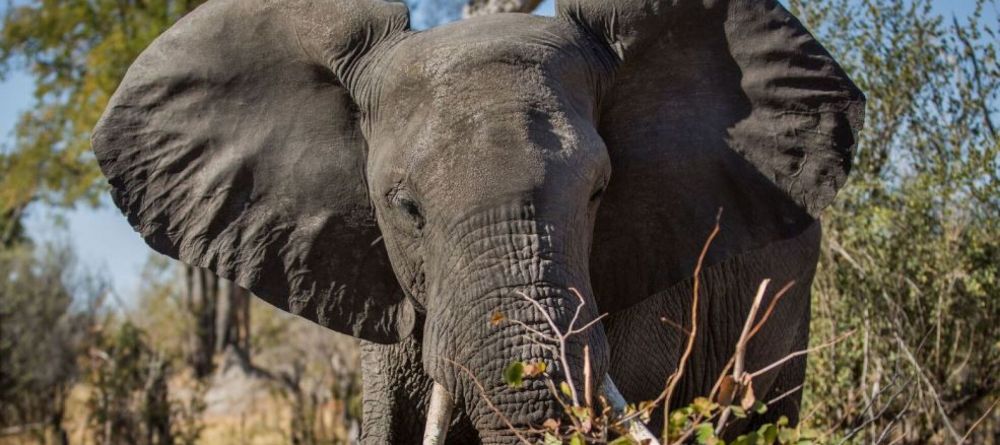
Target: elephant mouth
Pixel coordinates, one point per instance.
(442, 406)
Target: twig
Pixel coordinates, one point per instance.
(930, 386)
(586, 375)
(870, 408)
(564, 362)
(532, 330)
(676, 375)
(674, 325)
(486, 398)
(788, 357)
(741, 349)
(783, 395)
(899, 415)
(770, 308)
(977, 76)
(561, 337)
(978, 421)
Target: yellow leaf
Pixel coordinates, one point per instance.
(497, 318)
(748, 397)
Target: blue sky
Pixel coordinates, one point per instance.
(101, 237)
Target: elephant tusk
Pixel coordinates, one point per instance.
(636, 429)
(438, 416)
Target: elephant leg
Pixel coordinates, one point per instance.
(396, 394)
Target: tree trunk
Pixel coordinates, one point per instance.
(481, 7)
(221, 313)
(232, 323)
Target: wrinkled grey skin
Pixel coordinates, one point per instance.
(404, 186)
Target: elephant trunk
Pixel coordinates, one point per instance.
(441, 407)
(518, 292)
(520, 331)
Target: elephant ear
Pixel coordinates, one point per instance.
(233, 144)
(715, 104)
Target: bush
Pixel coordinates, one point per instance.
(42, 332)
(911, 253)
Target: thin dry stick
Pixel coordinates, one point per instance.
(741, 345)
(489, 402)
(561, 337)
(722, 376)
(930, 386)
(788, 357)
(760, 324)
(741, 348)
(674, 325)
(586, 376)
(564, 362)
(676, 375)
(770, 308)
(978, 421)
(783, 395)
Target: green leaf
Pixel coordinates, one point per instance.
(782, 421)
(759, 407)
(704, 433)
(623, 440)
(577, 439)
(513, 375)
(768, 433)
(580, 412)
(788, 436)
(550, 439)
(746, 439)
(704, 407)
(566, 390)
(808, 433)
(738, 411)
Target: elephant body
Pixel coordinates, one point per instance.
(457, 198)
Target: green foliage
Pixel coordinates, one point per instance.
(77, 52)
(911, 255)
(513, 375)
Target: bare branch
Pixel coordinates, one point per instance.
(486, 398)
(788, 357)
(978, 421)
(741, 349)
(676, 375)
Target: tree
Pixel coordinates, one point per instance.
(221, 313)
(42, 332)
(480, 7)
(429, 13)
(78, 51)
(911, 253)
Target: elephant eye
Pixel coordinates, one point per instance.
(411, 208)
(402, 201)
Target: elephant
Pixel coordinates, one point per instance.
(407, 187)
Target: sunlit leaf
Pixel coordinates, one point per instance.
(513, 375)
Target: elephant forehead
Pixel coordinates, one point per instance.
(505, 56)
(491, 106)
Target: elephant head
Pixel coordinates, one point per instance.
(368, 177)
